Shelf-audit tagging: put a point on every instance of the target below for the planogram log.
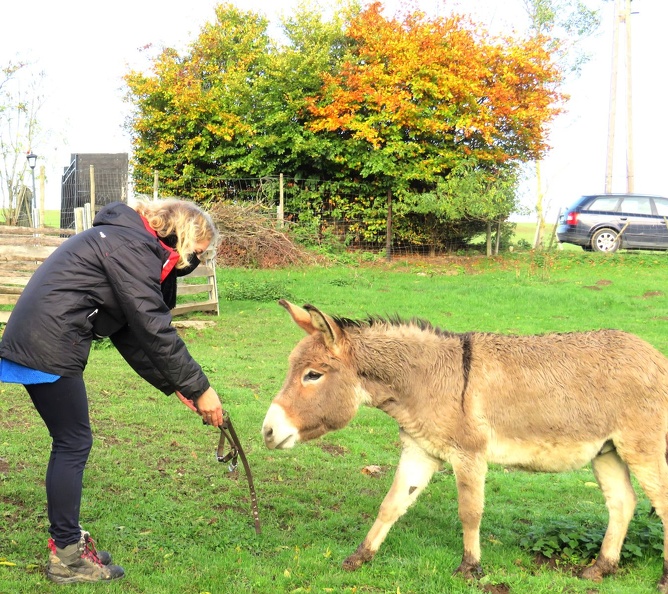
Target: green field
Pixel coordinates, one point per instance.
(179, 523)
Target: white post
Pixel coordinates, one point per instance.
(279, 210)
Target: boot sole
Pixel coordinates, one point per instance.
(77, 579)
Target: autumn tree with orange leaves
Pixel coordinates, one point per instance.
(418, 98)
(363, 103)
(428, 93)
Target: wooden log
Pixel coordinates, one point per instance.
(7, 283)
(12, 230)
(199, 306)
(7, 290)
(33, 240)
(8, 299)
(26, 252)
(186, 289)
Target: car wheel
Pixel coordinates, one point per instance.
(605, 240)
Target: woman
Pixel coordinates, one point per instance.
(106, 281)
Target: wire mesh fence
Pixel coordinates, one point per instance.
(322, 212)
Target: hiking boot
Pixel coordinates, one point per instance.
(79, 562)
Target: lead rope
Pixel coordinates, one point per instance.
(227, 433)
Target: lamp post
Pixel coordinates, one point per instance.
(32, 161)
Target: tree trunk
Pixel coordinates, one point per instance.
(388, 240)
(489, 238)
(540, 215)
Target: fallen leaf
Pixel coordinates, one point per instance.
(372, 470)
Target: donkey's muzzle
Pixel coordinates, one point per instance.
(278, 432)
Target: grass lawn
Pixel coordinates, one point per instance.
(180, 523)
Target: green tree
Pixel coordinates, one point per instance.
(194, 115)
(233, 106)
(470, 199)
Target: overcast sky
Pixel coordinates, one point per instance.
(85, 49)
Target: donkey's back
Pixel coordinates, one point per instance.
(552, 402)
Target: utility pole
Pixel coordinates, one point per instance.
(622, 17)
(630, 173)
(612, 110)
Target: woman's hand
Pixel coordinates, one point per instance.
(210, 408)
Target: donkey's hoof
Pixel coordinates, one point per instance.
(598, 570)
(358, 558)
(352, 563)
(592, 573)
(471, 572)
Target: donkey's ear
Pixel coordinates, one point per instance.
(322, 322)
(301, 317)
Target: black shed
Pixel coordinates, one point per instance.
(111, 183)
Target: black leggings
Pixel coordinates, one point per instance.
(63, 405)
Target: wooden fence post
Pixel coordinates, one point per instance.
(42, 192)
(92, 191)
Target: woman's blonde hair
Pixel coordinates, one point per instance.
(187, 221)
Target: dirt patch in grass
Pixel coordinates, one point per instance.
(332, 449)
(558, 565)
(496, 588)
(468, 264)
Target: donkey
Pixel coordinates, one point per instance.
(548, 403)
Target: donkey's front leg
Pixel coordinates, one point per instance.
(470, 472)
(413, 474)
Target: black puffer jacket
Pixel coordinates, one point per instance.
(113, 268)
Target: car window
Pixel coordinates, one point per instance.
(604, 203)
(636, 205)
(661, 206)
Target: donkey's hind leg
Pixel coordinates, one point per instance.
(653, 478)
(613, 477)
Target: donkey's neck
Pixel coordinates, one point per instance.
(399, 366)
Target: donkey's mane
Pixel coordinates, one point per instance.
(392, 320)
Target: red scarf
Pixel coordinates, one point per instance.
(172, 258)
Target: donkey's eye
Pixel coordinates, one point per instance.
(312, 376)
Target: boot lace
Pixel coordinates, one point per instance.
(89, 551)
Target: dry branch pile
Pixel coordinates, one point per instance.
(251, 238)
